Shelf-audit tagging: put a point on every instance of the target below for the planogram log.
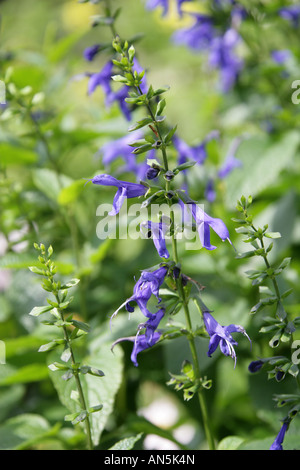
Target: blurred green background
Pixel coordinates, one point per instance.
(40, 201)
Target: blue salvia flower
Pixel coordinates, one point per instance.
(120, 148)
(280, 57)
(114, 149)
(119, 96)
(102, 78)
(199, 36)
(222, 56)
(204, 223)
(157, 231)
(255, 366)
(151, 324)
(197, 153)
(221, 336)
(277, 444)
(90, 52)
(210, 192)
(231, 162)
(125, 190)
(152, 4)
(148, 284)
(141, 343)
(292, 14)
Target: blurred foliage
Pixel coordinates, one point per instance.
(45, 159)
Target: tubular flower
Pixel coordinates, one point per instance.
(120, 148)
(204, 222)
(152, 4)
(197, 153)
(221, 335)
(147, 285)
(291, 13)
(125, 190)
(222, 57)
(157, 230)
(90, 52)
(140, 344)
(277, 444)
(199, 36)
(102, 78)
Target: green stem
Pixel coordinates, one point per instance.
(201, 398)
(77, 379)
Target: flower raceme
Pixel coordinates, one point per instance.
(221, 336)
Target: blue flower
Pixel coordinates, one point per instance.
(210, 192)
(204, 222)
(199, 36)
(151, 325)
(221, 335)
(102, 78)
(125, 190)
(281, 56)
(119, 96)
(120, 148)
(197, 153)
(231, 162)
(255, 366)
(90, 52)
(147, 285)
(292, 14)
(141, 343)
(152, 4)
(157, 231)
(277, 444)
(110, 151)
(222, 57)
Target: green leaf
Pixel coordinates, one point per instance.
(273, 235)
(36, 311)
(49, 182)
(127, 443)
(71, 193)
(26, 374)
(36, 270)
(15, 155)
(160, 107)
(51, 345)
(23, 431)
(139, 124)
(262, 162)
(230, 443)
(81, 325)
